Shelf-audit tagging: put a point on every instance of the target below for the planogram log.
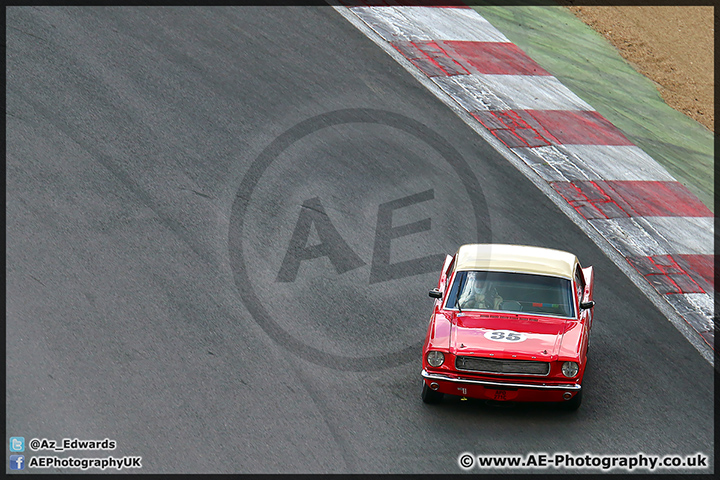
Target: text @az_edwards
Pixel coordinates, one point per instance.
(585, 461)
(37, 444)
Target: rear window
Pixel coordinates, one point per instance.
(511, 292)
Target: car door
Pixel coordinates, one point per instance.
(589, 277)
(584, 315)
(444, 277)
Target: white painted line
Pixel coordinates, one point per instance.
(697, 308)
(602, 162)
(428, 23)
(685, 235)
(630, 237)
(617, 162)
(638, 280)
(645, 236)
(553, 163)
(515, 92)
(471, 94)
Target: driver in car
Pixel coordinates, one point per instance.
(480, 294)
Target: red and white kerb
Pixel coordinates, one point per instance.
(661, 228)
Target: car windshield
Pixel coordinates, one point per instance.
(511, 292)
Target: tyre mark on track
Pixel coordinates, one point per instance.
(173, 225)
(323, 409)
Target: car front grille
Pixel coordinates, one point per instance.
(505, 367)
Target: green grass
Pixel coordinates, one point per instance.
(593, 69)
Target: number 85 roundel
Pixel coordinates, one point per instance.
(505, 336)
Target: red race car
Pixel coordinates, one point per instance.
(510, 323)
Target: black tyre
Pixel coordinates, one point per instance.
(429, 395)
(572, 404)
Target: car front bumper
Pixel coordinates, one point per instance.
(498, 390)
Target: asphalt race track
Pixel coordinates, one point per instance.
(222, 224)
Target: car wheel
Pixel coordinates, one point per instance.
(429, 395)
(572, 404)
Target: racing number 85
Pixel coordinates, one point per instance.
(510, 336)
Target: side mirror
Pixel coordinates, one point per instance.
(435, 293)
(586, 305)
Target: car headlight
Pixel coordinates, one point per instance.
(435, 359)
(570, 369)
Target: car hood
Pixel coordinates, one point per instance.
(508, 336)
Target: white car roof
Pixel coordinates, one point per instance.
(516, 258)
